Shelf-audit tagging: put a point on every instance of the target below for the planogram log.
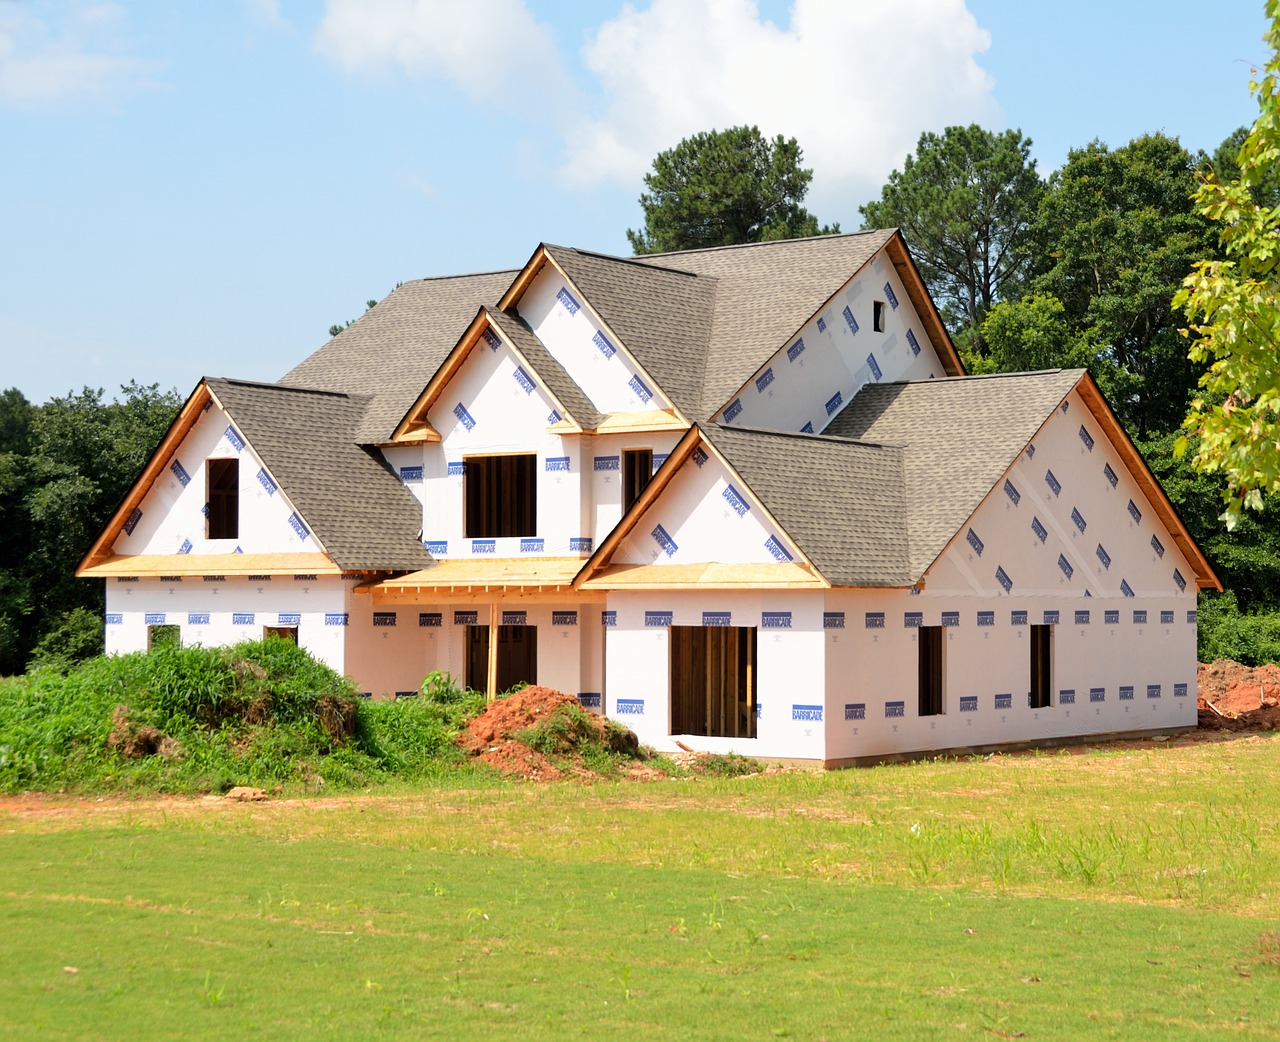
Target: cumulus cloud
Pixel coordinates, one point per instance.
(495, 51)
(52, 52)
(854, 83)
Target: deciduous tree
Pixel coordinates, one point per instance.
(1232, 306)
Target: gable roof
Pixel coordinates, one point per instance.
(959, 436)
(767, 291)
(356, 506)
(842, 502)
(663, 316)
(390, 352)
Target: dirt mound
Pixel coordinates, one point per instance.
(543, 734)
(1235, 697)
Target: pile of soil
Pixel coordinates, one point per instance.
(491, 737)
(1235, 697)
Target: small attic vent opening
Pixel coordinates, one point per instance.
(877, 316)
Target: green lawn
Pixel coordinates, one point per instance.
(1111, 894)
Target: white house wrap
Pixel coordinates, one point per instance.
(744, 499)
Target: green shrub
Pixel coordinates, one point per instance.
(75, 637)
(1226, 632)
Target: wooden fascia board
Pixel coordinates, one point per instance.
(521, 282)
(415, 426)
(151, 565)
(621, 344)
(766, 512)
(657, 421)
(900, 257)
(1206, 577)
(682, 451)
(173, 437)
(416, 417)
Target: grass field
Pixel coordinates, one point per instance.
(1114, 893)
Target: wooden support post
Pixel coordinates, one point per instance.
(491, 685)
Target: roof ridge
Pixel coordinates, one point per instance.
(462, 275)
(264, 385)
(829, 439)
(634, 262)
(970, 378)
(773, 242)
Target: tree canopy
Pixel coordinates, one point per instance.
(64, 468)
(1119, 232)
(1232, 306)
(965, 202)
(722, 188)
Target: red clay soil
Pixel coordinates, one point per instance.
(490, 736)
(1235, 697)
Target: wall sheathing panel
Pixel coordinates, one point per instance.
(557, 314)
(1124, 655)
(836, 354)
(705, 514)
(606, 452)
(170, 519)
(496, 405)
(216, 611)
(789, 666)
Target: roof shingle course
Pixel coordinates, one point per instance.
(356, 506)
(391, 351)
(959, 436)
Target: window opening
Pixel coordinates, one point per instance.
(1041, 667)
(158, 636)
(223, 477)
(877, 316)
(289, 633)
(637, 470)
(713, 681)
(517, 657)
(501, 496)
(931, 646)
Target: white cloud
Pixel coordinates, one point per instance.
(267, 12)
(854, 82)
(49, 52)
(495, 51)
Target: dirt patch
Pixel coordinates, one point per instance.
(543, 734)
(133, 741)
(1235, 697)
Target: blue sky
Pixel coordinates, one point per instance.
(204, 188)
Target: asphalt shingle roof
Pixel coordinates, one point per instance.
(843, 502)
(959, 435)
(765, 293)
(357, 507)
(391, 351)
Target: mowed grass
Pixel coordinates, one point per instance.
(1116, 893)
